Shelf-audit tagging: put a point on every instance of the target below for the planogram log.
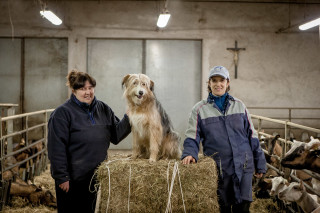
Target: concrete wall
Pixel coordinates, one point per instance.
(275, 69)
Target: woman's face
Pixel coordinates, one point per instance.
(85, 94)
(218, 85)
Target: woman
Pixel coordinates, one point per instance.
(223, 125)
(80, 131)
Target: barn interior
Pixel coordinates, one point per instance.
(274, 66)
(279, 67)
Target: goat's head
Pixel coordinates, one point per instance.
(278, 183)
(303, 156)
(293, 192)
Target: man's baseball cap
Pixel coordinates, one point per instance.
(219, 71)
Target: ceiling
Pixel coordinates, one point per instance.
(221, 1)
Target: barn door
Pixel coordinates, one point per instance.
(108, 62)
(32, 74)
(45, 73)
(174, 66)
(10, 60)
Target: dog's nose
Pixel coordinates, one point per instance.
(140, 92)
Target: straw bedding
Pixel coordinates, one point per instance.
(164, 186)
(21, 205)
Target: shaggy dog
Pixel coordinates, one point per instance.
(153, 135)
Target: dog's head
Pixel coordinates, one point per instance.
(138, 88)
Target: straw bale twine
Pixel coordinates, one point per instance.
(138, 186)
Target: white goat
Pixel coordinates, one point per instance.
(296, 192)
(278, 184)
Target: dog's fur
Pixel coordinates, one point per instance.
(153, 135)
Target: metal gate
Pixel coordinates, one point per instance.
(34, 162)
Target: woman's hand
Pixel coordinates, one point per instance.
(64, 186)
(189, 159)
(258, 175)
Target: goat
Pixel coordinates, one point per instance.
(303, 156)
(36, 195)
(302, 176)
(278, 184)
(262, 186)
(274, 147)
(296, 192)
(9, 174)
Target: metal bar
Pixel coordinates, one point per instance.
(8, 105)
(293, 177)
(268, 119)
(292, 118)
(306, 185)
(288, 123)
(46, 131)
(23, 149)
(23, 131)
(304, 127)
(293, 108)
(9, 125)
(25, 160)
(27, 130)
(312, 174)
(25, 114)
(280, 128)
(285, 144)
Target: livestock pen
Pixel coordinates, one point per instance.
(31, 128)
(37, 127)
(285, 143)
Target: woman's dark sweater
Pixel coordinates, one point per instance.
(79, 136)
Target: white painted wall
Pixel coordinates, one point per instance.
(275, 69)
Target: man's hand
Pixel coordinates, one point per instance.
(64, 186)
(189, 159)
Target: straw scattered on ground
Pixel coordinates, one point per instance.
(21, 205)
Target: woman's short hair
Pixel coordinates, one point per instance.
(209, 88)
(77, 79)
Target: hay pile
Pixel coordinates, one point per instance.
(45, 180)
(151, 184)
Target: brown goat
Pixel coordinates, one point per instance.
(303, 156)
(36, 195)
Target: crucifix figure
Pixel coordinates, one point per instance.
(236, 51)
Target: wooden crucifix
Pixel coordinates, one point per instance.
(236, 51)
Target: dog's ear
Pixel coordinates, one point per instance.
(125, 79)
(151, 85)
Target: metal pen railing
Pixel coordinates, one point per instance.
(284, 144)
(290, 113)
(6, 152)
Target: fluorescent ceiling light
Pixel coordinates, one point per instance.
(163, 19)
(51, 17)
(310, 24)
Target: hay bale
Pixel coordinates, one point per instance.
(150, 185)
